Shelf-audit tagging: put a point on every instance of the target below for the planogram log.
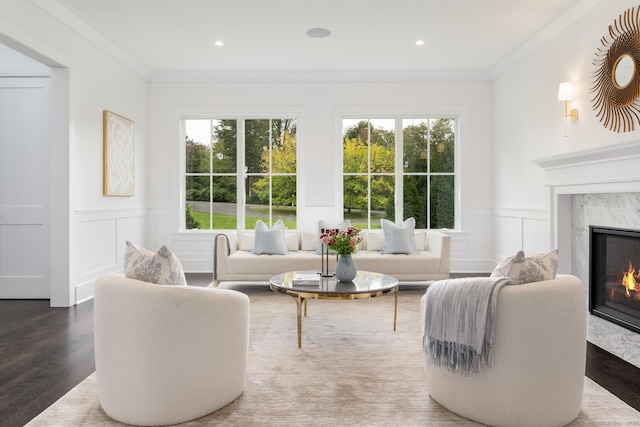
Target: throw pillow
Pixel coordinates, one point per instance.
(162, 267)
(535, 268)
(323, 225)
(134, 254)
(269, 241)
(399, 239)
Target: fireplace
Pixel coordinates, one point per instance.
(614, 275)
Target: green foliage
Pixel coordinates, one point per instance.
(428, 147)
(281, 159)
(368, 165)
(414, 203)
(191, 222)
(197, 157)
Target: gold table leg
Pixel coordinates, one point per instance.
(299, 301)
(395, 310)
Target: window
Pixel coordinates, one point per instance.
(400, 163)
(238, 171)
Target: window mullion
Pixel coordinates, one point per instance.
(399, 171)
(241, 180)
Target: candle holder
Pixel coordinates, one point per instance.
(324, 272)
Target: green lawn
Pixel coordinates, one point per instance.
(226, 222)
(229, 221)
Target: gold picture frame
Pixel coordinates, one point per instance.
(617, 79)
(118, 154)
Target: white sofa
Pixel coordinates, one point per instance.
(168, 354)
(233, 260)
(539, 357)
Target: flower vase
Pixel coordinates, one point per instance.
(346, 269)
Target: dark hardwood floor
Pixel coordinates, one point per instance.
(45, 352)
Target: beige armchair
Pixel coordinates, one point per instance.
(539, 357)
(168, 354)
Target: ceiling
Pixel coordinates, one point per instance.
(172, 36)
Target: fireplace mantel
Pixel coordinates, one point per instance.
(611, 168)
(608, 169)
(594, 155)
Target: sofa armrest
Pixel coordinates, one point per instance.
(223, 246)
(439, 244)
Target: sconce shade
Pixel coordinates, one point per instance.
(565, 91)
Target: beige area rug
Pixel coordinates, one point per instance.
(352, 370)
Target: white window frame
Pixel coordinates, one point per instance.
(398, 114)
(241, 115)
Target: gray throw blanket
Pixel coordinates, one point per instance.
(459, 322)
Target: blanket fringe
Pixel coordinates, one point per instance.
(456, 357)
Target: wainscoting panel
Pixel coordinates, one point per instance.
(195, 250)
(471, 248)
(101, 244)
(520, 229)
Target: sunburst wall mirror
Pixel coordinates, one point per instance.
(617, 80)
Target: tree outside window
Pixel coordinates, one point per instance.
(267, 184)
(427, 177)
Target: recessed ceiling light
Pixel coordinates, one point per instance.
(318, 32)
(219, 43)
(419, 42)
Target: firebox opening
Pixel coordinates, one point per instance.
(614, 275)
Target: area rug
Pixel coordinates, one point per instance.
(352, 370)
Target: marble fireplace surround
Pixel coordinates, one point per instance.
(599, 186)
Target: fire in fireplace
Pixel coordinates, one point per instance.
(614, 275)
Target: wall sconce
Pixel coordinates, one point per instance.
(565, 93)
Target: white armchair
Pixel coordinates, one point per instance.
(168, 354)
(539, 357)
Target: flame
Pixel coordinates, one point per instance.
(629, 280)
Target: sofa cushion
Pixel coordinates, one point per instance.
(399, 239)
(418, 263)
(323, 225)
(420, 237)
(522, 269)
(374, 240)
(309, 240)
(162, 267)
(246, 239)
(292, 239)
(248, 264)
(269, 241)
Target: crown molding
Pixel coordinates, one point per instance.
(544, 35)
(61, 12)
(319, 76)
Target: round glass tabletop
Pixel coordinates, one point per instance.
(366, 282)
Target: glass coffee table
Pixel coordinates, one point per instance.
(304, 285)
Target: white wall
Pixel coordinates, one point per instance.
(97, 225)
(320, 104)
(529, 124)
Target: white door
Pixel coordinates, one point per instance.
(24, 188)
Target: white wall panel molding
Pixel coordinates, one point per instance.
(518, 229)
(102, 234)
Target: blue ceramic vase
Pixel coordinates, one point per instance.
(346, 269)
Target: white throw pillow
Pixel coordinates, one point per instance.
(134, 254)
(420, 237)
(269, 241)
(246, 240)
(399, 239)
(162, 267)
(375, 240)
(535, 268)
(323, 225)
(293, 240)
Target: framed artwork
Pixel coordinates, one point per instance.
(118, 155)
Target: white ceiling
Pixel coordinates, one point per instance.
(171, 36)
